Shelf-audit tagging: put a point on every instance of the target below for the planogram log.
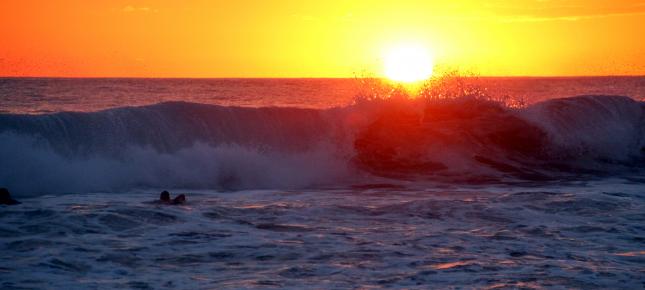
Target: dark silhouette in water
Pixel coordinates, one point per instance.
(180, 199)
(5, 197)
(164, 197)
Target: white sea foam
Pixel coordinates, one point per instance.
(30, 166)
(578, 236)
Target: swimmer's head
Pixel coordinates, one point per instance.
(4, 193)
(165, 196)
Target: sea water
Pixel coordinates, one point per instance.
(292, 184)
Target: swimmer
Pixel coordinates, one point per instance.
(164, 197)
(180, 199)
(5, 197)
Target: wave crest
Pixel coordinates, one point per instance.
(466, 138)
(186, 145)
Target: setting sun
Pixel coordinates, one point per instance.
(408, 63)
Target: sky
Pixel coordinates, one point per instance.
(65, 38)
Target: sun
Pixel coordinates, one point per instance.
(408, 63)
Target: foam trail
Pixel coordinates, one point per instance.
(31, 167)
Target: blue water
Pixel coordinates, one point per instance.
(293, 184)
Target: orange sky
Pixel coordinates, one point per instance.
(317, 38)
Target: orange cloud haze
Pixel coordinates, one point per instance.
(317, 38)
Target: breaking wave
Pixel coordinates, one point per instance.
(474, 140)
(188, 145)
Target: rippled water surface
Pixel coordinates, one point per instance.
(582, 236)
(453, 194)
(49, 95)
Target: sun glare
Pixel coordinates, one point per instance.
(408, 63)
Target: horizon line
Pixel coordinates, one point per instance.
(269, 78)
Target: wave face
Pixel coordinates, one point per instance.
(473, 140)
(169, 145)
(187, 145)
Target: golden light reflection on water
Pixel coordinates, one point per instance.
(444, 266)
(631, 254)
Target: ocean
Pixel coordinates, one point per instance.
(308, 184)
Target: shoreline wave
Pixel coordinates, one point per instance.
(190, 145)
